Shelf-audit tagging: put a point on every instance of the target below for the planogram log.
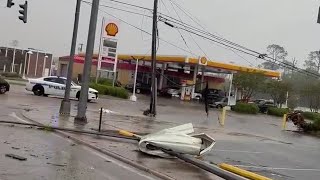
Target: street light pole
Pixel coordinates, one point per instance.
(230, 87)
(154, 61)
(65, 103)
(44, 64)
(82, 106)
(13, 59)
(29, 62)
(133, 97)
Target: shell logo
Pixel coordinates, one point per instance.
(112, 29)
(203, 60)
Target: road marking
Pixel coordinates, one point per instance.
(117, 163)
(14, 115)
(251, 152)
(272, 168)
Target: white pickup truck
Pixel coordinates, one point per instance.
(54, 85)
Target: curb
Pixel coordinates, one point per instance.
(242, 172)
(107, 152)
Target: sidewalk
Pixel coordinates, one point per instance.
(125, 150)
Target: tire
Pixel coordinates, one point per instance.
(219, 106)
(3, 89)
(138, 91)
(38, 90)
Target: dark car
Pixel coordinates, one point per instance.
(213, 95)
(265, 105)
(4, 86)
(140, 87)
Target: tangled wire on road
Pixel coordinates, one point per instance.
(298, 120)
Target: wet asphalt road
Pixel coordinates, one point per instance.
(255, 143)
(50, 156)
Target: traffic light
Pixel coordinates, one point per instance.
(10, 3)
(23, 11)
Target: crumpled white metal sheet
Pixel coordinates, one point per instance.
(177, 139)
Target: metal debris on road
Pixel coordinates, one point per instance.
(20, 158)
(176, 139)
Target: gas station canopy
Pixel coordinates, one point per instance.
(210, 64)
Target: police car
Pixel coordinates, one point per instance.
(54, 85)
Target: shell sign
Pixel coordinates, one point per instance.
(111, 29)
(203, 61)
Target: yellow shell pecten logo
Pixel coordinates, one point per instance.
(111, 29)
(203, 60)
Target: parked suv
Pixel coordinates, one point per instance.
(214, 95)
(264, 105)
(140, 87)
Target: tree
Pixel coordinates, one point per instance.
(278, 90)
(313, 61)
(277, 53)
(248, 83)
(311, 93)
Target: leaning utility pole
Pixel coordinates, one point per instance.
(65, 103)
(82, 106)
(154, 60)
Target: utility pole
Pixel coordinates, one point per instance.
(65, 103)
(82, 106)
(154, 61)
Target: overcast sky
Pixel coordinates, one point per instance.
(252, 23)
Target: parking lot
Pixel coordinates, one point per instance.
(253, 142)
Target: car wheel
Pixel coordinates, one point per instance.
(219, 106)
(3, 89)
(138, 91)
(38, 90)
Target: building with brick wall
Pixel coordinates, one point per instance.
(39, 64)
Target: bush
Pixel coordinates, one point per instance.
(109, 90)
(246, 108)
(277, 111)
(10, 75)
(311, 115)
(102, 81)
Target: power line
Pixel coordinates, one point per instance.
(229, 44)
(144, 31)
(183, 39)
(119, 9)
(133, 5)
(189, 33)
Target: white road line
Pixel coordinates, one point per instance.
(14, 115)
(117, 163)
(223, 150)
(272, 168)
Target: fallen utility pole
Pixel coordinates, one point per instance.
(128, 135)
(82, 106)
(65, 103)
(110, 133)
(153, 111)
